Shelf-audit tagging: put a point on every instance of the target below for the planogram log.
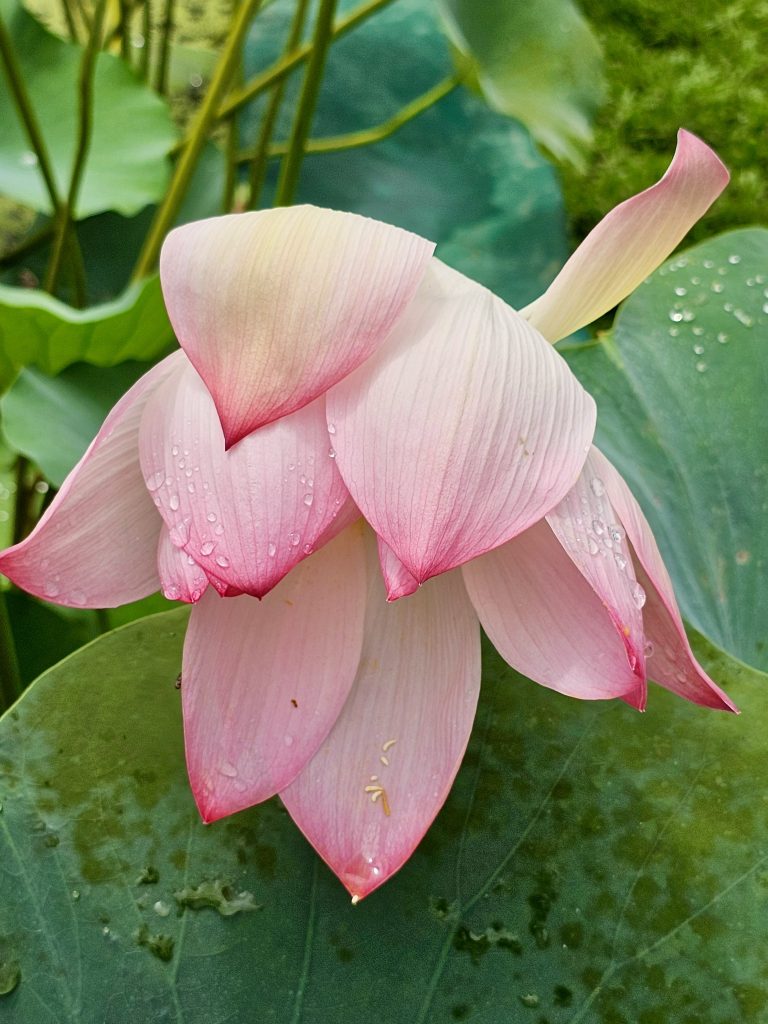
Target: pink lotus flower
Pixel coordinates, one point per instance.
(333, 367)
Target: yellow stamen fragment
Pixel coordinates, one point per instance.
(385, 803)
(390, 743)
(373, 789)
(355, 900)
(384, 760)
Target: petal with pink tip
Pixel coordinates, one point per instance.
(460, 432)
(181, 578)
(546, 621)
(369, 794)
(276, 306)
(264, 681)
(397, 580)
(630, 242)
(95, 546)
(672, 663)
(587, 527)
(246, 515)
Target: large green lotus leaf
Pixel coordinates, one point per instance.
(460, 174)
(591, 864)
(681, 389)
(39, 330)
(52, 420)
(132, 128)
(539, 62)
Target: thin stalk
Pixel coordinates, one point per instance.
(27, 113)
(124, 28)
(291, 166)
(161, 79)
(11, 686)
(230, 176)
(257, 85)
(22, 512)
(261, 155)
(64, 227)
(367, 136)
(87, 22)
(204, 119)
(146, 31)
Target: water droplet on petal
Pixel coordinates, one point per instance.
(211, 517)
(228, 769)
(294, 538)
(271, 549)
(207, 547)
(331, 428)
(222, 561)
(638, 595)
(331, 453)
(620, 561)
(173, 501)
(308, 499)
(593, 546)
(597, 486)
(649, 649)
(155, 480)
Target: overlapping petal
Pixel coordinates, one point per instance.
(398, 582)
(630, 242)
(460, 432)
(276, 306)
(95, 546)
(246, 515)
(264, 681)
(672, 663)
(181, 578)
(371, 791)
(545, 619)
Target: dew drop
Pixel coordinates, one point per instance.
(190, 488)
(307, 549)
(51, 589)
(698, 350)
(218, 529)
(173, 501)
(598, 526)
(207, 547)
(155, 480)
(228, 769)
(28, 159)
(734, 259)
(722, 338)
(675, 316)
(597, 486)
(294, 538)
(223, 561)
(717, 286)
(172, 592)
(701, 366)
(331, 428)
(649, 649)
(331, 453)
(698, 331)
(308, 499)
(271, 549)
(681, 291)
(620, 561)
(638, 595)
(175, 450)
(211, 517)
(161, 908)
(592, 546)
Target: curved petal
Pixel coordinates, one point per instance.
(181, 578)
(546, 621)
(95, 546)
(586, 525)
(397, 580)
(462, 431)
(247, 515)
(630, 242)
(276, 306)
(371, 791)
(671, 663)
(264, 681)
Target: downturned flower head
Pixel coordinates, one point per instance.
(347, 420)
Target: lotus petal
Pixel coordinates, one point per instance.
(630, 242)
(264, 681)
(95, 546)
(460, 432)
(276, 306)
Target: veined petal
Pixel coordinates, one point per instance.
(460, 432)
(397, 580)
(369, 794)
(181, 578)
(545, 619)
(95, 546)
(276, 306)
(247, 515)
(264, 681)
(630, 242)
(587, 527)
(672, 663)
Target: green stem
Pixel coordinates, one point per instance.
(23, 501)
(146, 31)
(367, 136)
(11, 685)
(257, 85)
(262, 153)
(66, 212)
(125, 30)
(27, 114)
(71, 27)
(205, 117)
(161, 79)
(291, 166)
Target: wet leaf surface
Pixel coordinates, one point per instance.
(591, 864)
